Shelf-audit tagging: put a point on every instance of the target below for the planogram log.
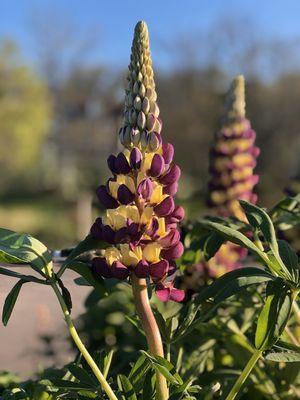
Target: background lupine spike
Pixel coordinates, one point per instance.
(141, 110)
(232, 161)
(235, 104)
(141, 218)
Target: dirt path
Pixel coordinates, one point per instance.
(24, 343)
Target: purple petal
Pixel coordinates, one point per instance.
(122, 164)
(142, 269)
(168, 152)
(96, 229)
(108, 234)
(125, 196)
(145, 188)
(165, 207)
(111, 162)
(153, 227)
(157, 165)
(121, 235)
(158, 270)
(119, 270)
(178, 213)
(173, 252)
(135, 158)
(100, 267)
(170, 239)
(172, 268)
(171, 189)
(105, 198)
(171, 176)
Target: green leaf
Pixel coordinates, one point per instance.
(87, 244)
(284, 352)
(126, 388)
(149, 386)
(84, 270)
(209, 244)
(233, 236)
(22, 248)
(69, 385)
(260, 220)
(167, 369)
(26, 278)
(138, 371)
(232, 282)
(288, 255)
(274, 315)
(10, 301)
(82, 375)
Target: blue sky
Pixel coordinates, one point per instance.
(114, 20)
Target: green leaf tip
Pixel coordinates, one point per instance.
(235, 103)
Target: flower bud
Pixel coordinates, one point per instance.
(157, 166)
(167, 152)
(145, 189)
(171, 176)
(135, 158)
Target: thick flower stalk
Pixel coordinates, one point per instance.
(141, 218)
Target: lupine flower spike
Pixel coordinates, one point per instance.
(141, 218)
(233, 159)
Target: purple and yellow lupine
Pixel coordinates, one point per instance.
(141, 218)
(233, 157)
(232, 163)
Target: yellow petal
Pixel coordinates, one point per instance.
(112, 254)
(130, 257)
(113, 188)
(147, 215)
(161, 227)
(157, 194)
(151, 252)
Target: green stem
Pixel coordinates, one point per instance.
(244, 375)
(103, 382)
(144, 311)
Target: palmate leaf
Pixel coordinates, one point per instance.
(233, 236)
(163, 366)
(126, 388)
(286, 214)
(85, 272)
(10, 301)
(261, 221)
(283, 352)
(22, 248)
(274, 315)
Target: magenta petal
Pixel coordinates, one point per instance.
(100, 267)
(162, 293)
(165, 207)
(173, 252)
(157, 165)
(158, 270)
(172, 268)
(168, 152)
(142, 269)
(125, 196)
(177, 295)
(170, 239)
(171, 176)
(119, 270)
(122, 164)
(135, 158)
(178, 213)
(145, 188)
(105, 198)
(171, 189)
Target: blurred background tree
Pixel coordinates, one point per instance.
(24, 120)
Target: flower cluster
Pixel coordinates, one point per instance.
(141, 218)
(233, 157)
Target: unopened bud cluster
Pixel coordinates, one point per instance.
(141, 218)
